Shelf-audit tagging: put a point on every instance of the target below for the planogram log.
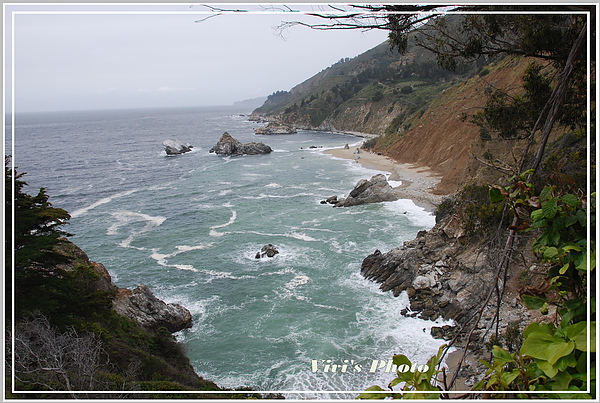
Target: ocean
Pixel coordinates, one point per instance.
(189, 227)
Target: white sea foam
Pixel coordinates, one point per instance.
(273, 185)
(301, 237)
(295, 235)
(291, 196)
(214, 274)
(104, 200)
(161, 258)
(213, 229)
(417, 215)
(127, 217)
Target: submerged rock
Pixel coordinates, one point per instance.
(275, 128)
(141, 305)
(268, 250)
(375, 190)
(175, 147)
(227, 145)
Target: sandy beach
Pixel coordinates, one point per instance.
(417, 182)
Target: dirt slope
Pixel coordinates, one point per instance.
(441, 139)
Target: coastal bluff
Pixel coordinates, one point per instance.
(446, 273)
(139, 304)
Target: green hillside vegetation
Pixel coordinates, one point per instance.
(377, 79)
(381, 88)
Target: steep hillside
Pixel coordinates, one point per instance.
(420, 112)
(441, 138)
(370, 93)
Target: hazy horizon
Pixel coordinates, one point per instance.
(96, 57)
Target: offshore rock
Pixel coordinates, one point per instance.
(227, 145)
(175, 147)
(268, 250)
(375, 190)
(141, 305)
(275, 128)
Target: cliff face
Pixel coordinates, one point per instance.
(448, 273)
(420, 113)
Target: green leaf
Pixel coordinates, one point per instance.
(564, 362)
(508, 377)
(546, 347)
(536, 345)
(550, 208)
(581, 340)
(537, 215)
(374, 395)
(400, 359)
(496, 194)
(558, 349)
(576, 329)
(546, 193)
(536, 327)
(532, 302)
(501, 355)
(564, 269)
(487, 364)
(571, 247)
(561, 381)
(546, 368)
(571, 200)
(570, 220)
(550, 252)
(399, 379)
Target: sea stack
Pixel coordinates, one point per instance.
(176, 147)
(227, 145)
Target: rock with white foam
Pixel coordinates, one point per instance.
(227, 145)
(141, 305)
(176, 147)
(375, 190)
(269, 250)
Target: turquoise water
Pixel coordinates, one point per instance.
(190, 226)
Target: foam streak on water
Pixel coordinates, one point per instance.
(190, 226)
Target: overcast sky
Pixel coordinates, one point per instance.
(92, 60)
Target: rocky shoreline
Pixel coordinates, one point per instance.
(446, 272)
(417, 183)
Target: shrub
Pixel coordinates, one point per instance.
(407, 89)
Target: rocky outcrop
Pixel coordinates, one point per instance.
(227, 145)
(275, 128)
(375, 190)
(175, 147)
(446, 275)
(138, 304)
(141, 305)
(269, 250)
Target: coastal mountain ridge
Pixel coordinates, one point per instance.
(416, 109)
